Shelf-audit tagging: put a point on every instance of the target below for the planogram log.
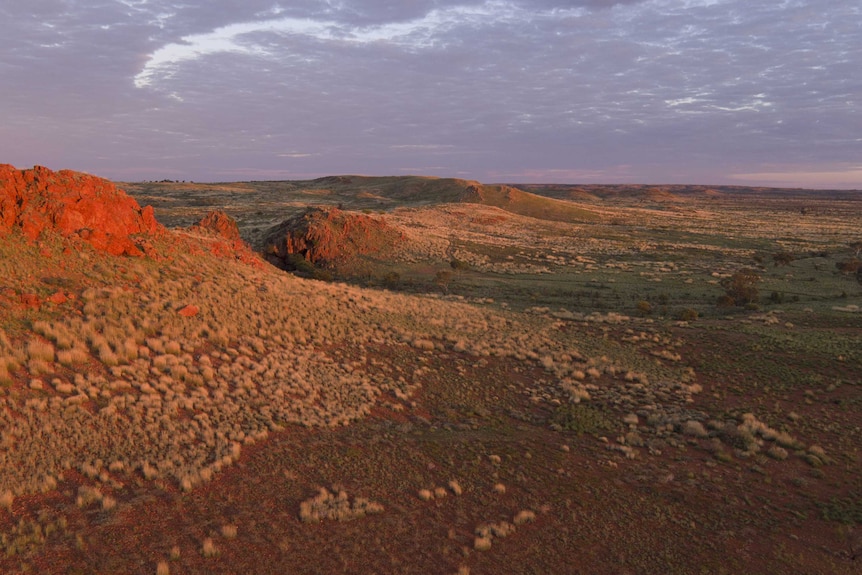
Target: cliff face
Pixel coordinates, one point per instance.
(73, 205)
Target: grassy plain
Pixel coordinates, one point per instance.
(503, 393)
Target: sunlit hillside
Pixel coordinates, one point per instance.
(503, 382)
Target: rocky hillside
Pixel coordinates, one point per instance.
(524, 396)
(74, 205)
(218, 224)
(327, 236)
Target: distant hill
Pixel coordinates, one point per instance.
(523, 203)
(418, 190)
(257, 206)
(675, 192)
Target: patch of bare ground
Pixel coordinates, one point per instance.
(593, 511)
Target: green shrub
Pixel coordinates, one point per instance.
(644, 307)
(782, 258)
(851, 265)
(297, 263)
(582, 418)
(392, 280)
(741, 287)
(442, 279)
(323, 275)
(687, 314)
(458, 265)
(724, 301)
(846, 510)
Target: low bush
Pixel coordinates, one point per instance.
(688, 314)
(582, 418)
(851, 265)
(741, 287)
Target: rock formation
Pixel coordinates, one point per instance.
(73, 205)
(328, 236)
(219, 224)
(220, 234)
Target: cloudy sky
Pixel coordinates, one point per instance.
(763, 92)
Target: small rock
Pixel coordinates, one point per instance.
(189, 311)
(58, 298)
(30, 300)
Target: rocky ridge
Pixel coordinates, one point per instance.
(76, 206)
(324, 236)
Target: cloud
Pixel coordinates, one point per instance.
(676, 89)
(431, 30)
(422, 147)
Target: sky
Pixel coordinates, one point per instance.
(739, 92)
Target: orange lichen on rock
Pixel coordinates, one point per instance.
(74, 205)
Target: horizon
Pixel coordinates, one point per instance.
(443, 177)
(610, 92)
(511, 183)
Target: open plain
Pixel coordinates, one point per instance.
(419, 375)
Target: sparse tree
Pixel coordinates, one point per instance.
(644, 307)
(741, 287)
(782, 258)
(851, 265)
(392, 280)
(458, 265)
(442, 279)
(688, 314)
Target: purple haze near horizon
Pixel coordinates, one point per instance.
(746, 92)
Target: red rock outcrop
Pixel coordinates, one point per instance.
(189, 311)
(328, 236)
(221, 236)
(74, 205)
(220, 224)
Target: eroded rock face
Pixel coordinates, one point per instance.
(74, 205)
(328, 236)
(220, 224)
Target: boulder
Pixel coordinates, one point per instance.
(189, 310)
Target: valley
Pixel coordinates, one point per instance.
(420, 375)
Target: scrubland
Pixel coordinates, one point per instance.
(567, 397)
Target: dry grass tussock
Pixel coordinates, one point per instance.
(129, 386)
(336, 506)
